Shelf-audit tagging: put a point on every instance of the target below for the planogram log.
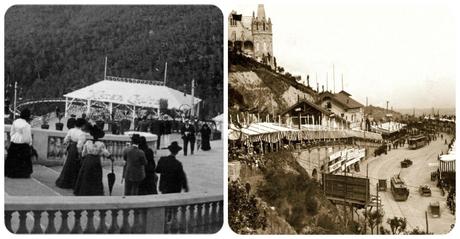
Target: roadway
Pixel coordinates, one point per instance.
(424, 162)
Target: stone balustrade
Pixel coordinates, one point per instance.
(51, 149)
(167, 213)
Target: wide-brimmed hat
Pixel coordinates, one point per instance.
(25, 114)
(174, 147)
(96, 132)
(135, 139)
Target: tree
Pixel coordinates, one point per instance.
(244, 216)
(397, 224)
(374, 218)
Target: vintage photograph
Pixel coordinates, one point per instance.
(113, 119)
(341, 119)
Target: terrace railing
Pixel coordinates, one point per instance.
(167, 213)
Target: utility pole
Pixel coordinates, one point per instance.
(333, 75)
(105, 68)
(377, 206)
(426, 219)
(166, 72)
(342, 81)
(15, 99)
(192, 110)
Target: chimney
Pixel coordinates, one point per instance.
(308, 80)
(323, 88)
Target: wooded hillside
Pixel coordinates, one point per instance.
(52, 50)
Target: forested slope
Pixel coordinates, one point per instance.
(52, 50)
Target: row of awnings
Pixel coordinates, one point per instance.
(273, 132)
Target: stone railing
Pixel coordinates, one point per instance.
(168, 213)
(50, 146)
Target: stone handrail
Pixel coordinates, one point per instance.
(167, 213)
(51, 149)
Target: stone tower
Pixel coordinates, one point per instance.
(262, 37)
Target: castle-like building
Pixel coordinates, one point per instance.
(252, 36)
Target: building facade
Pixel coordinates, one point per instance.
(342, 105)
(252, 36)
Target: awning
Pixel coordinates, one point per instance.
(133, 93)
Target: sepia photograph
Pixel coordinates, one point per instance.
(113, 119)
(341, 118)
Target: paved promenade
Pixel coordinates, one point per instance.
(204, 172)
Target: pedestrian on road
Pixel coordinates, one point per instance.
(134, 169)
(18, 162)
(188, 136)
(149, 184)
(89, 181)
(173, 178)
(75, 139)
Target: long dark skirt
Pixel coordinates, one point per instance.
(71, 167)
(205, 144)
(89, 181)
(18, 163)
(148, 185)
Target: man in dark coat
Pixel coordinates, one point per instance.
(188, 135)
(155, 128)
(134, 169)
(71, 121)
(172, 179)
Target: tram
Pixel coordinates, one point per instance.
(398, 189)
(416, 142)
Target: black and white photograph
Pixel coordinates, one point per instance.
(342, 118)
(113, 119)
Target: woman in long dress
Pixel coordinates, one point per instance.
(18, 163)
(149, 184)
(75, 139)
(205, 137)
(89, 181)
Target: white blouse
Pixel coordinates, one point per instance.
(21, 132)
(76, 135)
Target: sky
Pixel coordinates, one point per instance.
(404, 54)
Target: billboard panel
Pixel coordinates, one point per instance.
(346, 188)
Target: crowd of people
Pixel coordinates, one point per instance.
(82, 171)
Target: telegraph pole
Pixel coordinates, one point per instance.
(192, 111)
(15, 99)
(166, 71)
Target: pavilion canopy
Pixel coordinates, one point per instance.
(133, 93)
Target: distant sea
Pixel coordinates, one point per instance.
(427, 111)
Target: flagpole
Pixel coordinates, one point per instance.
(105, 68)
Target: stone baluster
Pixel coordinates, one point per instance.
(139, 220)
(64, 224)
(8, 215)
(168, 220)
(37, 218)
(192, 219)
(50, 147)
(206, 217)
(114, 225)
(102, 227)
(199, 218)
(125, 228)
(77, 224)
(22, 222)
(220, 214)
(183, 219)
(90, 222)
(214, 220)
(50, 229)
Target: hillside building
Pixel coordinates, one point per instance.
(252, 36)
(343, 105)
